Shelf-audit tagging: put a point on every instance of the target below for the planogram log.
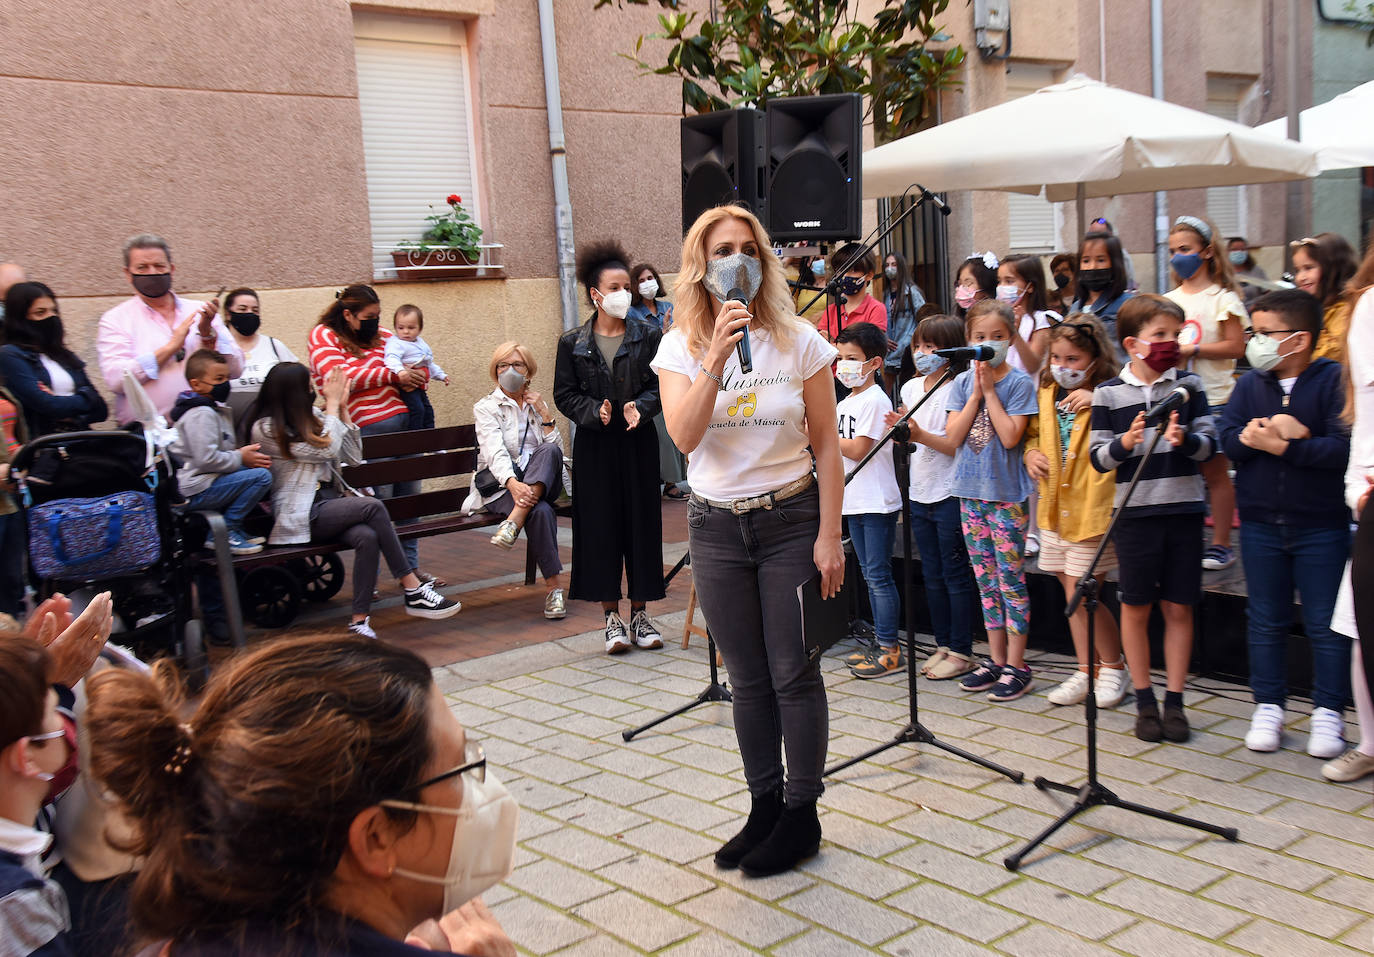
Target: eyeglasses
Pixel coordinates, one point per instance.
(517, 366)
(474, 764)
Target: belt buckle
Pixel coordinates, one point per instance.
(739, 506)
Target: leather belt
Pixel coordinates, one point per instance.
(765, 501)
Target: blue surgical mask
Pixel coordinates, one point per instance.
(928, 362)
(1238, 256)
(818, 267)
(1186, 264)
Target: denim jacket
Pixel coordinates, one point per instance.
(581, 380)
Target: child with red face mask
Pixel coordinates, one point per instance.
(1158, 538)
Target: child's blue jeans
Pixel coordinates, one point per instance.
(234, 494)
(873, 535)
(939, 537)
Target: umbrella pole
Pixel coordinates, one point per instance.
(1080, 203)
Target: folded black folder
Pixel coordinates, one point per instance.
(825, 621)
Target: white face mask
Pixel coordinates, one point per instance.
(890, 272)
(483, 852)
(1009, 294)
(851, 373)
(616, 304)
(648, 289)
(1068, 378)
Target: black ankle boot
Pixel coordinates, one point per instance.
(796, 837)
(763, 817)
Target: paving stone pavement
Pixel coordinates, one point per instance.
(616, 838)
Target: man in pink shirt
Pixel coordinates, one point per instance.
(148, 334)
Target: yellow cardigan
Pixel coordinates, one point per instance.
(1335, 322)
(1076, 499)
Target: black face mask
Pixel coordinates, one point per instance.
(245, 323)
(220, 392)
(367, 329)
(47, 333)
(153, 285)
(1062, 279)
(1095, 280)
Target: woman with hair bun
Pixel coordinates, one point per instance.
(320, 799)
(761, 522)
(603, 383)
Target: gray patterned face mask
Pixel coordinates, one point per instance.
(738, 271)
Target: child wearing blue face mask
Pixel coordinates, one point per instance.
(989, 408)
(1075, 498)
(1213, 338)
(933, 509)
(858, 306)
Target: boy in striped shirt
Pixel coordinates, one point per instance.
(1159, 536)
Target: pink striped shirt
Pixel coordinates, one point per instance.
(374, 396)
(131, 332)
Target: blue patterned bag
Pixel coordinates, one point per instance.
(91, 538)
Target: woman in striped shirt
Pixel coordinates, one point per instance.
(349, 337)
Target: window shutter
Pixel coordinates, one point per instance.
(417, 125)
(1225, 204)
(1030, 219)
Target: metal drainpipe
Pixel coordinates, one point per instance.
(558, 156)
(1157, 91)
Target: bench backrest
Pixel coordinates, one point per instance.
(411, 456)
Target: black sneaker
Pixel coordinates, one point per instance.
(425, 602)
(617, 638)
(981, 678)
(644, 632)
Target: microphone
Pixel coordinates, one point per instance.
(746, 356)
(1177, 398)
(978, 353)
(939, 203)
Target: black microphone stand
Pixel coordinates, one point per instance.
(1092, 793)
(914, 732)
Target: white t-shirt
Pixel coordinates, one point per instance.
(61, 381)
(931, 471)
(258, 362)
(1203, 314)
(756, 440)
(1360, 353)
(1030, 323)
(874, 489)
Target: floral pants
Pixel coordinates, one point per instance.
(995, 533)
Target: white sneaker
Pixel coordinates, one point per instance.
(1266, 728)
(1072, 691)
(363, 629)
(1325, 733)
(1033, 549)
(617, 639)
(1110, 689)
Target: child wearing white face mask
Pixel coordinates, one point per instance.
(1021, 285)
(1076, 499)
(871, 499)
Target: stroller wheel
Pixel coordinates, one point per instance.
(271, 596)
(193, 657)
(321, 576)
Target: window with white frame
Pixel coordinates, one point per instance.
(1226, 204)
(1032, 221)
(415, 99)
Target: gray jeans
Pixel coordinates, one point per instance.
(363, 524)
(747, 569)
(545, 467)
(397, 423)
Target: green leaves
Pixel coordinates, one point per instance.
(756, 49)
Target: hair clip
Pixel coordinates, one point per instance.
(1193, 223)
(989, 258)
(181, 756)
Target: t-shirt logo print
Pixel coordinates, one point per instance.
(746, 403)
(981, 432)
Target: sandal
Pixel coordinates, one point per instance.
(936, 656)
(952, 665)
(674, 493)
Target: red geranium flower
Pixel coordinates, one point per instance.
(454, 199)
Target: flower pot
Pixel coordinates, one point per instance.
(437, 263)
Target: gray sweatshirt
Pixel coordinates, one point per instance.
(205, 446)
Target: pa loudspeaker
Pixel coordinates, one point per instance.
(722, 162)
(814, 160)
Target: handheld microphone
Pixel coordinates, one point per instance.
(973, 353)
(1176, 398)
(742, 350)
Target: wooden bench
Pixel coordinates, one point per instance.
(271, 584)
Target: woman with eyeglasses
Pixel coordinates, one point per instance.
(520, 465)
(320, 798)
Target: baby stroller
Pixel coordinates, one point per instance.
(99, 512)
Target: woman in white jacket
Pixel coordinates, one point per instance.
(520, 465)
(312, 502)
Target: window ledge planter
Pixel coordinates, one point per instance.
(442, 262)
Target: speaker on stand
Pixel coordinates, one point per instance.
(815, 155)
(722, 162)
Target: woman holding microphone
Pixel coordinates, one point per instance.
(761, 522)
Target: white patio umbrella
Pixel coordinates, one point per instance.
(1339, 129)
(1107, 142)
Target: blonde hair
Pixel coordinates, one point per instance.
(694, 310)
(1219, 266)
(505, 349)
